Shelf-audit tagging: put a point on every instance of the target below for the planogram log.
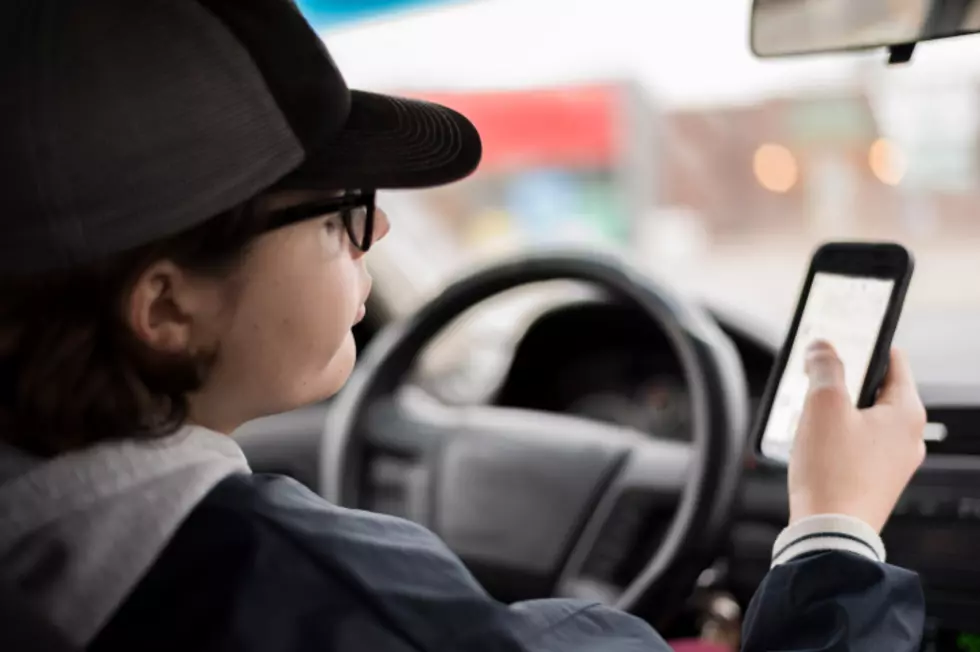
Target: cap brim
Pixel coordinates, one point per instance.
(392, 143)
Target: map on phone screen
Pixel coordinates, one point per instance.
(848, 312)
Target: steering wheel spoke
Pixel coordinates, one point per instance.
(412, 422)
(657, 467)
(409, 424)
(648, 486)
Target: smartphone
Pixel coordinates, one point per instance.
(852, 297)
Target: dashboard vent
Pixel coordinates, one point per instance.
(954, 431)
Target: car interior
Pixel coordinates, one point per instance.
(573, 415)
(574, 423)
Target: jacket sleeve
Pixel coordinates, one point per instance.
(834, 601)
(829, 601)
(568, 626)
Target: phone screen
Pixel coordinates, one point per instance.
(848, 312)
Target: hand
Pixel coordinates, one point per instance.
(850, 461)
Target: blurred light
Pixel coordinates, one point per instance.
(775, 168)
(887, 162)
(492, 232)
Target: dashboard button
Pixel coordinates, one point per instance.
(968, 508)
(935, 506)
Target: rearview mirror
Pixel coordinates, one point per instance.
(789, 27)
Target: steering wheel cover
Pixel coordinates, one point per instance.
(712, 369)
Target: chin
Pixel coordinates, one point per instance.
(312, 385)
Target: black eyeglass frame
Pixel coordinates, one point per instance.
(344, 205)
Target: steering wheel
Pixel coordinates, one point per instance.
(525, 497)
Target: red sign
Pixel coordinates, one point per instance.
(567, 127)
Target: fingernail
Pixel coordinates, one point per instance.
(819, 365)
(818, 346)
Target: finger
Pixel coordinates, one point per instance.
(899, 392)
(899, 385)
(823, 368)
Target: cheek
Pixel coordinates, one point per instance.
(293, 337)
(331, 303)
(321, 367)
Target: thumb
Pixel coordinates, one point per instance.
(824, 368)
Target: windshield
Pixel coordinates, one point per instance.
(650, 128)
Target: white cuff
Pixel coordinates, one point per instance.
(827, 532)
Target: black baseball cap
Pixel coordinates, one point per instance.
(126, 121)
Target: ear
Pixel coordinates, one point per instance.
(162, 306)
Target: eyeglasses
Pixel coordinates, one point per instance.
(355, 207)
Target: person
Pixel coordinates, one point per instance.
(189, 194)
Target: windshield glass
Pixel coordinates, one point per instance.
(650, 128)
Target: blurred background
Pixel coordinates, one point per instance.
(649, 127)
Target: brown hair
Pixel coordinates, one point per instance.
(71, 371)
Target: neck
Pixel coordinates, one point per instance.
(219, 416)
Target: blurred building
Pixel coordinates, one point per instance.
(823, 165)
(784, 165)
